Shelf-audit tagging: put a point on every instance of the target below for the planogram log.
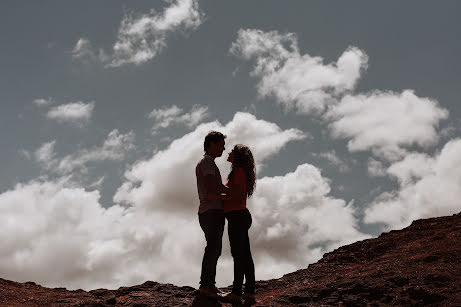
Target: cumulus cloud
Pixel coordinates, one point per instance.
(43, 102)
(299, 81)
(413, 167)
(386, 122)
(167, 116)
(74, 112)
(166, 183)
(429, 186)
(295, 221)
(59, 234)
(114, 148)
(62, 236)
(142, 36)
(149, 182)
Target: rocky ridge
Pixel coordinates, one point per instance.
(417, 266)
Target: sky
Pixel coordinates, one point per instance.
(350, 109)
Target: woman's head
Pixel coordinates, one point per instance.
(241, 156)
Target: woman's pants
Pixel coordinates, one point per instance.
(239, 221)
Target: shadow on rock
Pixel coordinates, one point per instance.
(202, 300)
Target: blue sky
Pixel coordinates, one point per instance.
(352, 111)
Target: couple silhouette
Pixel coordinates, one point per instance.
(219, 202)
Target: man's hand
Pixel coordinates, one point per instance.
(224, 189)
(237, 193)
(217, 197)
(214, 185)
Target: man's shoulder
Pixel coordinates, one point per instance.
(207, 165)
(206, 159)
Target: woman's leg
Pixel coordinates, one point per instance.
(248, 258)
(236, 232)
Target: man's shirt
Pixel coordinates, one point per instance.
(207, 166)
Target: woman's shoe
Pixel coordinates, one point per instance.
(232, 298)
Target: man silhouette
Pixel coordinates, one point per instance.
(211, 214)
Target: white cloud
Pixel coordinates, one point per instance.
(302, 82)
(429, 186)
(295, 221)
(332, 157)
(412, 168)
(142, 37)
(154, 183)
(43, 102)
(74, 112)
(165, 113)
(58, 234)
(195, 116)
(284, 208)
(96, 184)
(167, 116)
(45, 153)
(386, 122)
(61, 236)
(83, 51)
(114, 148)
(375, 168)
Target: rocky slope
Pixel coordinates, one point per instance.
(417, 266)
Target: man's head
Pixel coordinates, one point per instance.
(214, 144)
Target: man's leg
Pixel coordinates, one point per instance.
(212, 224)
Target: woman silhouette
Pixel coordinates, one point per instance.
(241, 183)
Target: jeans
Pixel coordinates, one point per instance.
(239, 221)
(212, 223)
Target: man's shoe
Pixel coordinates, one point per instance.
(249, 298)
(217, 291)
(232, 298)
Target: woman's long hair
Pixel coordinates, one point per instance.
(244, 158)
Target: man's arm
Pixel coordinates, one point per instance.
(237, 193)
(215, 186)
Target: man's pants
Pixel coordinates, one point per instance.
(212, 223)
(239, 222)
